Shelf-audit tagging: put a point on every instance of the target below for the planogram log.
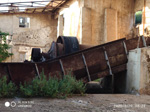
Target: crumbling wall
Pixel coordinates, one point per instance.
(42, 31)
(125, 18)
(139, 4)
(145, 71)
(93, 27)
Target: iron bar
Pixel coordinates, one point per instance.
(37, 70)
(86, 67)
(144, 41)
(62, 67)
(108, 63)
(125, 47)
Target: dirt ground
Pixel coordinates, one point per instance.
(87, 103)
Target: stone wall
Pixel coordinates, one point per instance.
(42, 31)
(145, 71)
(95, 25)
(125, 18)
(139, 4)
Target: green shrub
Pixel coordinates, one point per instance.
(7, 89)
(79, 88)
(40, 87)
(26, 90)
(69, 85)
(52, 87)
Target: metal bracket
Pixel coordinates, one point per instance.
(37, 70)
(108, 63)
(84, 60)
(110, 70)
(62, 68)
(144, 41)
(125, 47)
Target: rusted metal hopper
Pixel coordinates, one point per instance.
(87, 65)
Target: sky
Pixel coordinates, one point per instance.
(10, 1)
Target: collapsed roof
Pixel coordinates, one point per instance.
(30, 6)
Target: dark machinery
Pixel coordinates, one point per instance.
(63, 46)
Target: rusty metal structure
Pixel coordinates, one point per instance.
(87, 65)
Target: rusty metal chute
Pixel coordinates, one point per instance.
(88, 64)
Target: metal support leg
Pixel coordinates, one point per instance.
(87, 70)
(62, 68)
(144, 41)
(108, 64)
(37, 70)
(125, 47)
(110, 70)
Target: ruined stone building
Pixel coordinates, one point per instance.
(93, 22)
